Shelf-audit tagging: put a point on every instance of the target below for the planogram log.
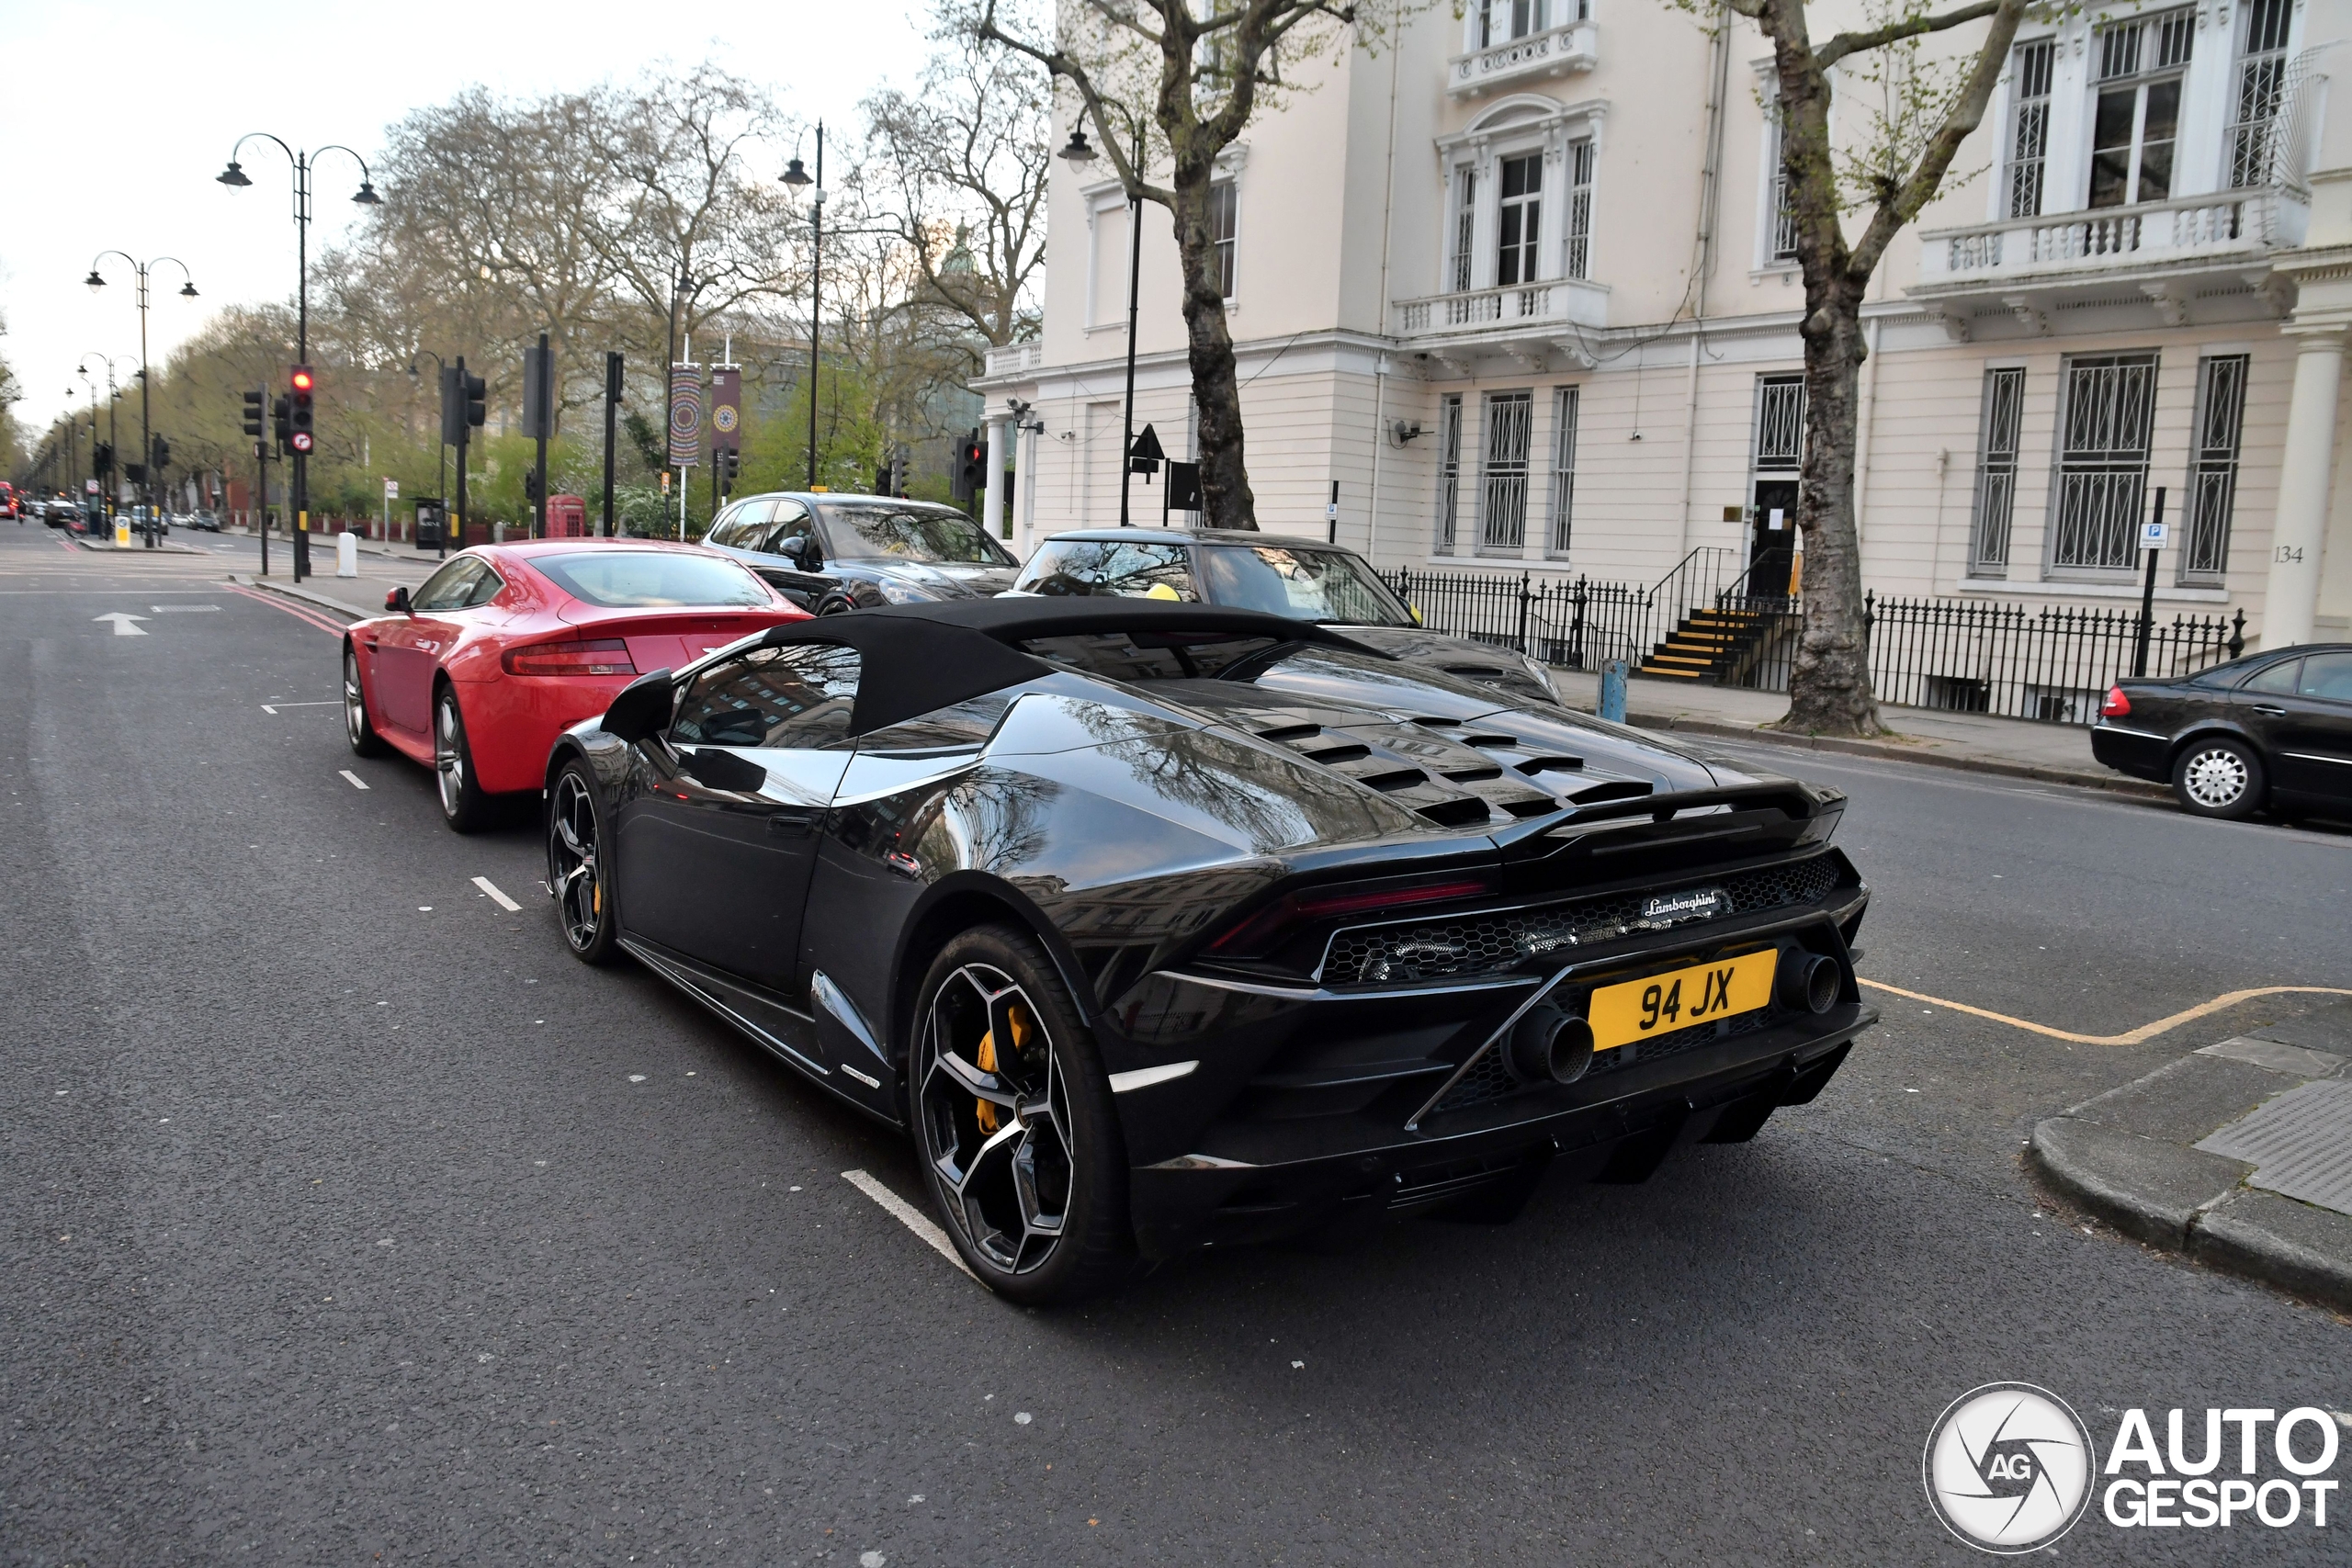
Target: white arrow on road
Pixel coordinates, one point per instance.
(123, 622)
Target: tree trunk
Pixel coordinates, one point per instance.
(1830, 683)
(1226, 498)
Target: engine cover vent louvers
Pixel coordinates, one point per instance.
(1290, 734)
(1391, 779)
(1534, 765)
(1619, 789)
(1476, 944)
(1468, 811)
(1331, 756)
(1466, 776)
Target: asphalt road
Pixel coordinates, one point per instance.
(344, 1218)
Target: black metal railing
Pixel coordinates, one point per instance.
(2050, 663)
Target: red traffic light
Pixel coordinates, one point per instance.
(301, 378)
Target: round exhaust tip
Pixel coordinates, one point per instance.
(1549, 1045)
(1811, 981)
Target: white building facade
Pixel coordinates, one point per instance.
(1514, 293)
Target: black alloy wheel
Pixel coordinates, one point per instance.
(465, 806)
(2218, 776)
(1012, 1114)
(357, 728)
(577, 874)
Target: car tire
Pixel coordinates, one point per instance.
(465, 806)
(2220, 777)
(579, 876)
(1027, 1141)
(359, 728)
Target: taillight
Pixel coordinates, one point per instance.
(599, 656)
(1266, 928)
(2117, 706)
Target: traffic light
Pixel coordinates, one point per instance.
(282, 411)
(255, 403)
(531, 484)
(731, 464)
(103, 458)
(477, 391)
(971, 475)
(299, 414)
(161, 455)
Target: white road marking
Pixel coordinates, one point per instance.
(354, 779)
(906, 1214)
(123, 620)
(182, 609)
(266, 708)
(501, 899)
(322, 702)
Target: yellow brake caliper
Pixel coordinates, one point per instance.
(986, 1114)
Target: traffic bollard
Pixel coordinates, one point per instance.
(1613, 691)
(346, 555)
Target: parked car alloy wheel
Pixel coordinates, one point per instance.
(2219, 777)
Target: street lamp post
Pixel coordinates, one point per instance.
(1080, 153)
(114, 403)
(141, 270)
(439, 445)
(235, 176)
(796, 176)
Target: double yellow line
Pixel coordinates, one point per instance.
(2147, 1031)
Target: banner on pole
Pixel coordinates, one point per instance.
(726, 409)
(685, 415)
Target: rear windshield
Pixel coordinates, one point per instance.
(866, 529)
(1125, 569)
(632, 580)
(1304, 584)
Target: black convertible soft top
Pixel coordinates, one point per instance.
(916, 659)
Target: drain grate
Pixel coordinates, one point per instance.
(2299, 1143)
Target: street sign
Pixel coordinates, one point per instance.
(392, 490)
(2153, 536)
(89, 487)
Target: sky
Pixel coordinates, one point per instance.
(120, 114)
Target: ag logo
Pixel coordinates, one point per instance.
(722, 419)
(2008, 1467)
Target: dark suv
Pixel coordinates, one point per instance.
(829, 552)
(2270, 728)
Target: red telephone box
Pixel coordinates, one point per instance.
(568, 517)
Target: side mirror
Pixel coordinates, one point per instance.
(642, 710)
(397, 602)
(802, 552)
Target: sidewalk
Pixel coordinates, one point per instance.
(2055, 753)
(2238, 1154)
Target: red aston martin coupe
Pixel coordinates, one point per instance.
(477, 671)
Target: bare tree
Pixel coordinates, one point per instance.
(1188, 76)
(1895, 155)
(958, 168)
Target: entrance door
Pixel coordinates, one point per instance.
(1772, 543)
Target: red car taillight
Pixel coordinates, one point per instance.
(599, 656)
(1263, 930)
(2117, 706)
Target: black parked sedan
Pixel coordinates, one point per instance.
(829, 552)
(1159, 925)
(2273, 728)
(1302, 579)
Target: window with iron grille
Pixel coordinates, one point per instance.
(1564, 469)
(2136, 121)
(2261, 91)
(2030, 138)
(1997, 471)
(1576, 258)
(1502, 509)
(1784, 221)
(1780, 421)
(1449, 469)
(1465, 226)
(1225, 213)
(2214, 477)
(2109, 408)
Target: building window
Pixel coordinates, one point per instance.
(2030, 141)
(2213, 480)
(1519, 218)
(2138, 114)
(1576, 256)
(1780, 421)
(1502, 512)
(1996, 472)
(1564, 469)
(1784, 221)
(1449, 469)
(1225, 215)
(2110, 401)
(1465, 225)
(1499, 21)
(2262, 92)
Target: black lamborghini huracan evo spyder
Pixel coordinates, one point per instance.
(1165, 924)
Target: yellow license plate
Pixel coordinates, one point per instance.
(1660, 1004)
